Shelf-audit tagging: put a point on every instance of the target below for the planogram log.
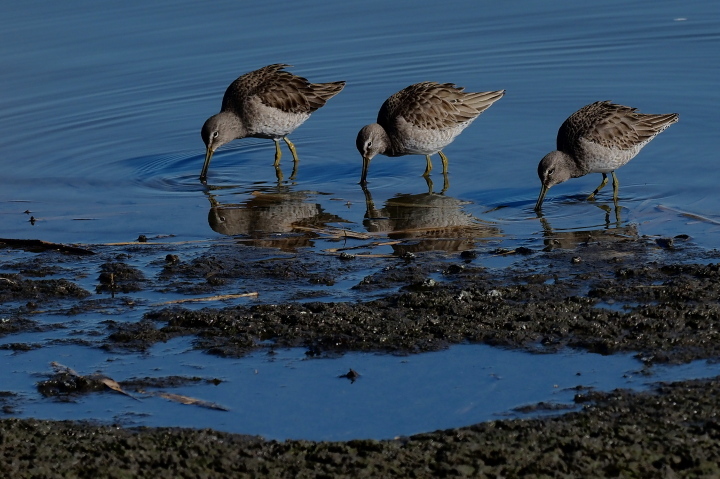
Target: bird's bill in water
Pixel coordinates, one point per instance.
(543, 191)
(206, 165)
(366, 165)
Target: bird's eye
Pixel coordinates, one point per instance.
(369, 144)
(551, 171)
(215, 134)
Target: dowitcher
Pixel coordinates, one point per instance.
(599, 138)
(265, 103)
(421, 119)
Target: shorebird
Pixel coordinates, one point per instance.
(599, 138)
(265, 103)
(421, 119)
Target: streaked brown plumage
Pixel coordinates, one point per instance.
(599, 138)
(265, 103)
(421, 119)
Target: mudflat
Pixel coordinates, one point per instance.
(657, 297)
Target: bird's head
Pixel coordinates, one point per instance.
(371, 141)
(555, 168)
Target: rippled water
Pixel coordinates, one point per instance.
(102, 107)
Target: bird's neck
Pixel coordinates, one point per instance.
(388, 144)
(233, 124)
(572, 166)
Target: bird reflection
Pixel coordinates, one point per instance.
(431, 186)
(616, 208)
(554, 239)
(279, 173)
(436, 221)
(273, 219)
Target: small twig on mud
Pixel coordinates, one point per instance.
(337, 233)
(221, 297)
(363, 246)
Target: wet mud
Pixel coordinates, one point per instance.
(602, 297)
(658, 298)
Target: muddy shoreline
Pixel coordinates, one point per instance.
(658, 297)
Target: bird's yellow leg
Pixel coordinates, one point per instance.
(428, 166)
(444, 162)
(292, 149)
(278, 153)
(604, 182)
(616, 187)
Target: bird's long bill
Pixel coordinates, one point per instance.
(206, 165)
(366, 165)
(540, 199)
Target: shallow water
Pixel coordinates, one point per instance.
(284, 395)
(102, 108)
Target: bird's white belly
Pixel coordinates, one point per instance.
(267, 122)
(418, 141)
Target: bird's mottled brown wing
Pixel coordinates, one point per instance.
(279, 89)
(612, 126)
(431, 105)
